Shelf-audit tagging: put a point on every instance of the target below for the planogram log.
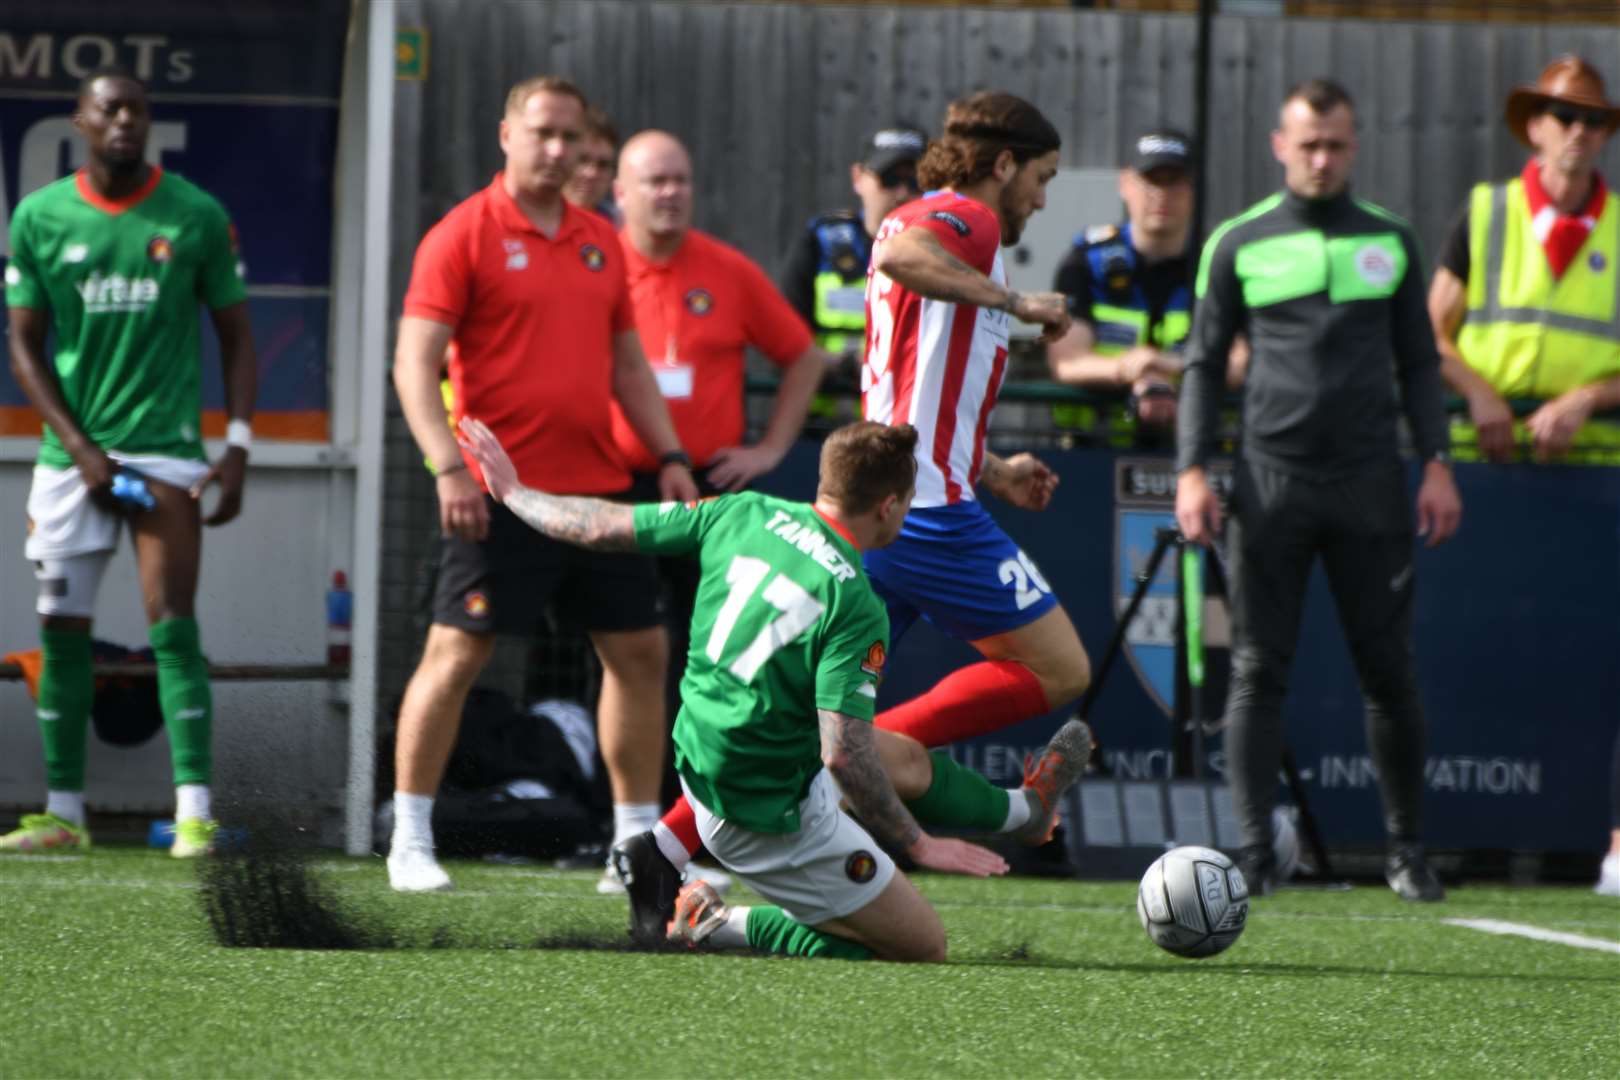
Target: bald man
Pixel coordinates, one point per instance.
(699, 303)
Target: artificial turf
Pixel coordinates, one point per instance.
(109, 969)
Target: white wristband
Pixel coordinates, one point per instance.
(239, 433)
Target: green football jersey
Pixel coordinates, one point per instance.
(785, 623)
(122, 282)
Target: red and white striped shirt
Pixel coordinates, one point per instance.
(936, 365)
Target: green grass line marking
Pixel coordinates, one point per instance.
(1497, 926)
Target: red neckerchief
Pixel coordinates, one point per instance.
(1561, 235)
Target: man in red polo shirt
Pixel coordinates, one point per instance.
(526, 297)
(699, 304)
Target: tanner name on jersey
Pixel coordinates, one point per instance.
(811, 541)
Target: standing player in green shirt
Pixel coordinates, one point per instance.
(115, 259)
(788, 642)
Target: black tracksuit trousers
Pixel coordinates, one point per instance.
(1361, 526)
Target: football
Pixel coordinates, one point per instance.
(1193, 902)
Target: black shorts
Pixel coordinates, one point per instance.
(503, 584)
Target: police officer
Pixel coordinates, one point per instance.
(1526, 309)
(1330, 291)
(825, 276)
(1129, 289)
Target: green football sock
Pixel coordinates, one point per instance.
(184, 693)
(67, 688)
(959, 798)
(770, 930)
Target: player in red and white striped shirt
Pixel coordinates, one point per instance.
(937, 321)
(938, 316)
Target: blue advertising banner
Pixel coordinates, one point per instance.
(245, 105)
(1518, 627)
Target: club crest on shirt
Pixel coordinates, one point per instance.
(1374, 265)
(699, 301)
(159, 249)
(476, 605)
(1597, 262)
(592, 257)
(876, 655)
(860, 867)
(952, 220)
(517, 256)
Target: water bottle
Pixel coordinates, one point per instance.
(339, 614)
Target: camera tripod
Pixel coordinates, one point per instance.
(1187, 724)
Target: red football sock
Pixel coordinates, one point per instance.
(680, 820)
(974, 700)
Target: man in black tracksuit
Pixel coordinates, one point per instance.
(1330, 291)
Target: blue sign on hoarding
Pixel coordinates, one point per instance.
(244, 104)
(1518, 625)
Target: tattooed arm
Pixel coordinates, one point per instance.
(849, 750)
(576, 519)
(573, 519)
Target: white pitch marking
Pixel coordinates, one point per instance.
(1497, 926)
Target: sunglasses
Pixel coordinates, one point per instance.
(1567, 115)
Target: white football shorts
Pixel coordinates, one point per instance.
(828, 869)
(64, 522)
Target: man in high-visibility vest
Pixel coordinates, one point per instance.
(1526, 299)
(825, 275)
(1130, 293)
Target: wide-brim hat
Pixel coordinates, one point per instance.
(1570, 80)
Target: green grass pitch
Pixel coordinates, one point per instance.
(108, 969)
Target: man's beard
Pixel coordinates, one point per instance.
(123, 168)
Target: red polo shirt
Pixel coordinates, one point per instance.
(534, 320)
(696, 314)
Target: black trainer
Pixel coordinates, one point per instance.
(1259, 865)
(651, 881)
(1411, 876)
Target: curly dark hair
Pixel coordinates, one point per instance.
(977, 129)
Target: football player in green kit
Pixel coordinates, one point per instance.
(115, 259)
(788, 642)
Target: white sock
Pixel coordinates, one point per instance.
(733, 933)
(671, 846)
(192, 801)
(67, 805)
(1017, 810)
(632, 819)
(413, 821)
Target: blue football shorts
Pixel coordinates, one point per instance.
(955, 567)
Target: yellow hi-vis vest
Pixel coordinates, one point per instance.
(1531, 335)
(840, 311)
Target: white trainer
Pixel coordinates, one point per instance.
(1609, 877)
(609, 884)
(414, 869)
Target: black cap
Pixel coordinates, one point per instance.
(891, 146)
(1164, 148)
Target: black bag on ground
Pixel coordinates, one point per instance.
(512, 786)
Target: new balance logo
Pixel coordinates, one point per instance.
(190, 714)
(1398, 582)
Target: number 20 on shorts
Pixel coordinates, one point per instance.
(1027, 582)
